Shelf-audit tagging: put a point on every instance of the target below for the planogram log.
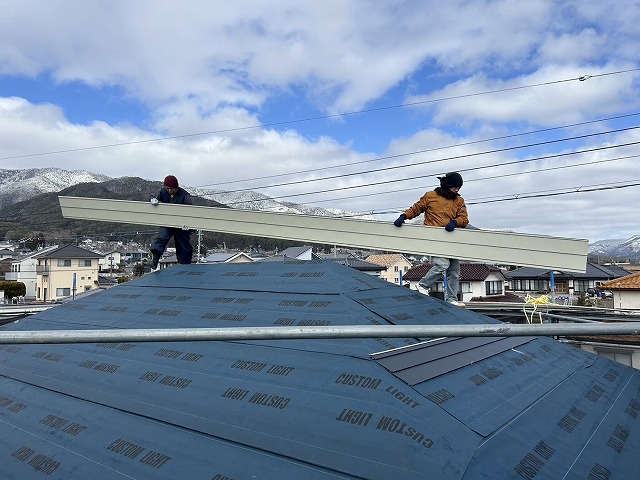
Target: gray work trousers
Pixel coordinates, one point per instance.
(448, 268)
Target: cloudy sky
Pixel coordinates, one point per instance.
(350, 104)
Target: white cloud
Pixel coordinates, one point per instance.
(243, 69)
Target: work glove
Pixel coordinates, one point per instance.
(154, 201)
(400, 220)
(451, 226)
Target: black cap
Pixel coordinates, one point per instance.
(451, 179)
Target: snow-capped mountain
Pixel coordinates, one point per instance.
(619, 248)
(602, 245)
(249, 200)
(19, 185)
(629, 248)
(22, 185)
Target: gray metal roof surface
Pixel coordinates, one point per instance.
(317, 409)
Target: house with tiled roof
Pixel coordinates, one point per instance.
(626, 291)
(397, 266)
(476, 280)
(624, 349)
(532, 280)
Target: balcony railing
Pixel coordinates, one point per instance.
(42, 269)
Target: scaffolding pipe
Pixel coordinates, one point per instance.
(284, 333)
(569, 318)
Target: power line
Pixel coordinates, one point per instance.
(553, 192)
(491, 177)
(548, 193)
(425, 162)
(320, 117)
(384, 182)
(463, 144)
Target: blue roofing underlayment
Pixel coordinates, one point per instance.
(455, 408)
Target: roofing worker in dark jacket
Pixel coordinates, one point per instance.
(171, 192)
(442, 207)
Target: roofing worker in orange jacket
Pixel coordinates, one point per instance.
(442, 207)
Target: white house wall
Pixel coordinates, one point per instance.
(626, 299)
(26, 273)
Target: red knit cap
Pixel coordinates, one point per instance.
(170, 181)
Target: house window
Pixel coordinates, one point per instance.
(621, 356)
(395, 268)
(84, 263)
(405, 268)
(64, 263)
(438, 287)
(582, 285)
(465, 287)
(494, 287)
(63, 292)
(530, 284)
(396, 280)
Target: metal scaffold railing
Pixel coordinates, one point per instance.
(284, 333)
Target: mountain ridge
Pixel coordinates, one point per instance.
(27, 185)
(24, 184)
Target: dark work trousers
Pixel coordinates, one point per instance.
(182, 238)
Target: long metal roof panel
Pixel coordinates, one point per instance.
(479, 245)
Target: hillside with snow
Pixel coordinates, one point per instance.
(20, 185)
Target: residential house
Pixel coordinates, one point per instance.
(624, 349)
(24, 269)
(65, 271)
(227, 257)
(106, 282)
(167, 261)
(304, 252)
(396, 263)
(626, 291)
(110, 261)
(476, 280)
(6, 257)
(135, 255)
(6, 253)
(350, 260)
(5, 267)
(538, 280)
